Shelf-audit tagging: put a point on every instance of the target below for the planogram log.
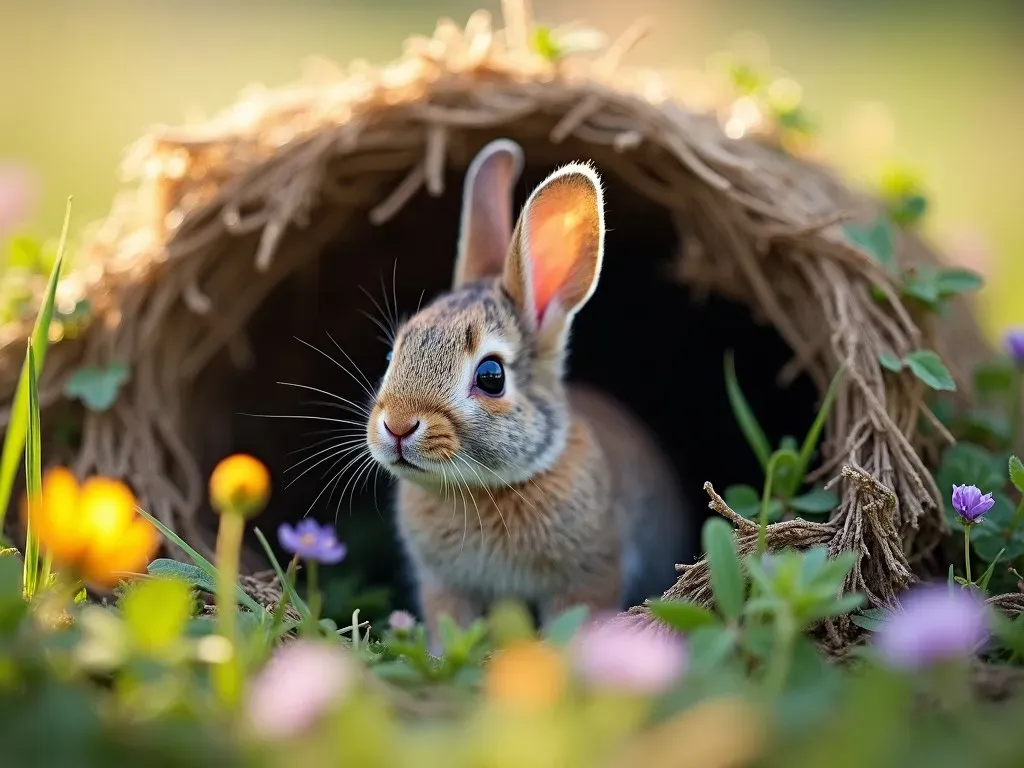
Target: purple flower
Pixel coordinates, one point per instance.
(628, 653)
(401, 622)
(310, 541)
(1014, 341)
(970, 503)
(936, 624)
(300, 683)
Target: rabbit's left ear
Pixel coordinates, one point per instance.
(558, 245)
(486, 226)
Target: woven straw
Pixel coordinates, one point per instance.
(220, 213)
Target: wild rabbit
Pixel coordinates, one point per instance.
(511, 482)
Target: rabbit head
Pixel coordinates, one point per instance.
(473, 393)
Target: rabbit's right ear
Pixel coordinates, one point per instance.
(486, 227)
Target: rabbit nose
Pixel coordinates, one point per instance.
(401, 428)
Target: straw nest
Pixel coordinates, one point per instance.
(221, 213)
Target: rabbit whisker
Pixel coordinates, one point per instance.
(505, 482)
(338, 452)
(493, 500)
(342, 367)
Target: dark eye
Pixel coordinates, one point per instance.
(389, 355)
(490, 377)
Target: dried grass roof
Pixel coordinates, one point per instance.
(221, 212)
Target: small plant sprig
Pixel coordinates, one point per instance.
(785, 468)
(985, 459)
(923, 286)
(763, 605)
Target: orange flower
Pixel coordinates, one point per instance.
(92, 529)
(526, 676)
(240, 483)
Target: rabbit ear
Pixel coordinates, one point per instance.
(557, 248)
(487, 211)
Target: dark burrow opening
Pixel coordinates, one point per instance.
(643, 337)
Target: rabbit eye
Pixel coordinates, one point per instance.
(490, 377)
(389, 355)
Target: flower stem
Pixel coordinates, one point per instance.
(1015, 409)
(227, 676)
(967, 551)
(766, 500)
(313, 596)
(778, 668)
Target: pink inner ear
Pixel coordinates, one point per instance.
(554, 239)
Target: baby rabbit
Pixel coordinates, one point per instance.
(511, 483)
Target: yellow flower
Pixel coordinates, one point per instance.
(240, 483)
(526, 676)
(92, 529)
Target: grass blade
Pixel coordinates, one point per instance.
(744, 415)
(14, 439)
(202, 562)
(286, 584)
(814, 433)
(33, 477)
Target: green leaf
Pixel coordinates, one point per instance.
(890, 362)
(708, 647)
(951, 282)
(969, 464)
(681, 615)
(994, 534)
(33, 475)
(786, 473)
(838, 607)
(811, 564)
(744, 415)
(908, 209)
(11, 455)
(920, 283)
(192, 575)
(743, 500)
(817, 501)
(871, 619)
(995, 378)
(876, 240)
(986, 577)
(202, 562)
(157, 612)
(927, 366)
(727, 582)
(13, 608)
(814, 433)
(96, 386)
(565, 625)
(1017, 473)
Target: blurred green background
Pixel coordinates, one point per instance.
(933, 85)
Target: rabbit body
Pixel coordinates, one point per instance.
(511, 483)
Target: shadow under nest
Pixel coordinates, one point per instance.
(644, 337)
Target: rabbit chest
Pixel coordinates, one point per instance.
(530, 541)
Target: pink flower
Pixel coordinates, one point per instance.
(401, 622)
(628, 653)
(18, 194)
(936, 624)
(299, 683)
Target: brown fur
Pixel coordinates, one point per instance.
(520, 494)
